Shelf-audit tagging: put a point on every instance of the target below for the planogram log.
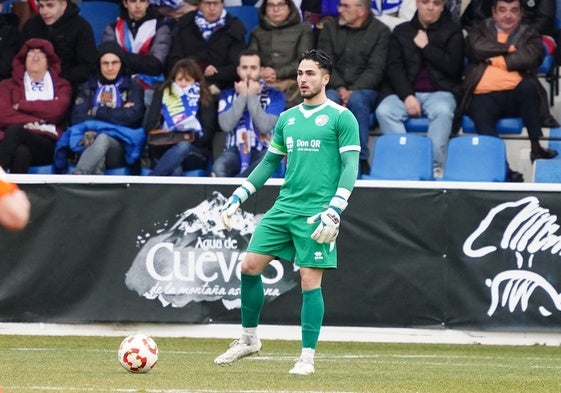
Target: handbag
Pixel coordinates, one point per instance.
(165, 137)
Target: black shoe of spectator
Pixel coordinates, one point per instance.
(514, 177)
(550, 122)
(545, 154)
(364, 167)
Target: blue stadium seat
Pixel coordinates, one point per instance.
(401, 157)
(99, 14)
(42, 170)
(248, 14)
(417, 124)
(475, 158)
(555, 139)
(507, 125)
(547, 171)
(119, 171)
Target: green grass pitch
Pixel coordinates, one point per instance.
(32, 364)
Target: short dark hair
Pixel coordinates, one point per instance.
(319, 57)
(249, 52)
(506, 1)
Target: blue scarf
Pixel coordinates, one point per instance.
(180, 107)
(209, 28)
(108, 95)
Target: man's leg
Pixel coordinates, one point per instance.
(227, 164)
(525, 101)
(252, 298)
(311, 316)
(391, 115)
(439, 108)
(362, 103)
(485, 110)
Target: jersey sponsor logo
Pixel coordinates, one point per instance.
(321, 120)
(289, 144)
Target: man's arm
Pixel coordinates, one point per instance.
(228, 118)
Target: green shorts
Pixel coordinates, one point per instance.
(287, 236)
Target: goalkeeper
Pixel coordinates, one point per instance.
(320, 140)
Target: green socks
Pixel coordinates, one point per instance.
(311, 317)
(252, 299)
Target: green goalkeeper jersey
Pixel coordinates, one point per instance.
(313, 139)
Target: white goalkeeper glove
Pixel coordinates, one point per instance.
(329, 220)
(238, 197)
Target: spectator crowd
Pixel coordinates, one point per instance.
(176, 85)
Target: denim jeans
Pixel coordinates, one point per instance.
(361, 103)
(438, 107)
(178, 158)
(228, 163)
(105, 152)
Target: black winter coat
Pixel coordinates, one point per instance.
(222, 50)
(73, 40)
(443, 57)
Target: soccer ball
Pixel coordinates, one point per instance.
(138, 353)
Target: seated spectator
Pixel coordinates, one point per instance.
(145, 40)
(358, 44)
(212, 37)
(540, 14)
(500, 79)
(280, 38)
(106, 117)
(172, 10)
(34, 103)
(424, 74)
(392, 12)
(248, 113)
(10, 42)
(182, 105)
(71, 35)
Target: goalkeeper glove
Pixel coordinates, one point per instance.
(238, 197)
(329, 220)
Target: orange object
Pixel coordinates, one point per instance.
(6, 188)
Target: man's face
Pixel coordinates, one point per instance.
(51, 10)
(36, 62)
(311, 79)
(429, 11)
(110, 65)
(351, 13)
(507, 16)
(249, 68)
(211, 9)
(136, 8)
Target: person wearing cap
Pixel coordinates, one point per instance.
(10, 38)
(214, 38)
(71, 35)
(34, 103)
(106, 117)
(145, 39)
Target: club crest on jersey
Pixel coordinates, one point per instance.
(321, 120)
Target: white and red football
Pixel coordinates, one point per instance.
(138, 353)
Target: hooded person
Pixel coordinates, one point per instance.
(71, 35)
(107, 116)
(34, 103)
